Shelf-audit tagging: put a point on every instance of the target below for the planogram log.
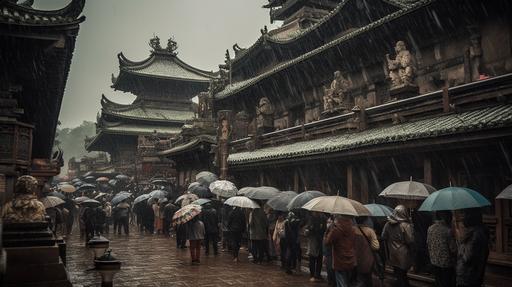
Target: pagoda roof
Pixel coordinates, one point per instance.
(24, 15)
(454, 124)
(161, 64)
(236, 87)
(140, 111)
(189, 146)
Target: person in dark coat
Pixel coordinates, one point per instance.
(236, 227)
(211, 226)
(340, 237)
(365, 244)
(442, 249)
(147, 217)
(258, 234)
(226, 236)
(88, 217)
(399, 239)
(291, 230)
(100, 219)
(314, 232)
(194, 235)
(168, 210)
(124, 217)
(473, 250)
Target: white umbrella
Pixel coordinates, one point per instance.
(223, 188)
(336, 205)
(241, 201)
(506, 193)
(411, 190)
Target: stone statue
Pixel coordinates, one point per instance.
(172, 46)
(265, 115)
(475, 56)
(204, 109)
(335, 95)
(154, 43)
(24, 207)
(402, 68)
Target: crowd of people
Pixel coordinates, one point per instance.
(351, 251)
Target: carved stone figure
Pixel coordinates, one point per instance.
(24, 207)
(334, 96)
(154, 43)
(475, 56)
(402, 68)
(204, 109)
(172, 46)
(240, 129)
(265, 115)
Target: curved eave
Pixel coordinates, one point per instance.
(14, 14)
(186, 147)
(237, 87)
(151, 120)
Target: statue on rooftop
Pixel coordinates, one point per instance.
(334, 96)
(265, 115)
(154, 43)
(172, 46)
(475, 56)
(24, 207)
(402, 68)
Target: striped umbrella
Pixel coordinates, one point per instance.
(185, 214)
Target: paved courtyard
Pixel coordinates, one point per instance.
(154, 261)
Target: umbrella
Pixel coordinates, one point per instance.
(78, 183)
(162, 200)
(185, 214)
(124, 192)
(303, 198)
(90, 203)
(122, 177)
(102, 179)
(112, 182)
(67, 188)
(193, 185)
(206, 177)
(244, 190)
(90, 179)
(411, 190)
(281, 200)
(160, 181)
(454, 198)
(262, 193)
(241, 201)
(506, 193)
(57, 194)
(75, 180)
(201, 201)
(86, 186)
(157, 194)
(51, 201)
(81, 199)
(141, 198)
(120, 197)
(202, 192)
(186, 198)
(223, 188)
(101, 194)
(336, 205)
(379, 210)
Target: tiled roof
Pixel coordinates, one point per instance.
(24, 15)
(451, 124)
(163, 65)
(189, 145)
(238, 86)
(140, 111)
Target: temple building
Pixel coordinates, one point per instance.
(37, 47)
(367, 93)
(164, 87)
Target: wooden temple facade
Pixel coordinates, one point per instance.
(366, 93)
(133, 134)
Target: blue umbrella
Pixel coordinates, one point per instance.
(302, 198)
(158, 194)
(119, 198)
(454, 198)
(379, 210)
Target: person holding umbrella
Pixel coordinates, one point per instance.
(399, 238)
(442, 249)
(211, 226)
(292, 239)
(195, 234)
(314, 232)
(123, 217)
(236, 227)
(366, 247)
(258, 231)
(340, 237)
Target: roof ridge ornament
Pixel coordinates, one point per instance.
(171, 48)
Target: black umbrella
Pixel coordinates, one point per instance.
(281, 200)
(90, 179)
(86, 186)
(262, 193)
(57, 194)
(122, 177)
(120, 197)
(202, 192)
(302, 198)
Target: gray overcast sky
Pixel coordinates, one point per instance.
(204, 29)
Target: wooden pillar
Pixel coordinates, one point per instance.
(262, 177)
(350, 182)
(363, 176)
(296, 180)
(427, 170)
(499, 225)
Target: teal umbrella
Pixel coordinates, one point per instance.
(379, 210)
(454, 198)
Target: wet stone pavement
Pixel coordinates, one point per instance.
(154, 260)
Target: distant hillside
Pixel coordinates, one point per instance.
(71, 141)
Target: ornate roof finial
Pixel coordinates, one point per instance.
(172, 46)
(154, 43)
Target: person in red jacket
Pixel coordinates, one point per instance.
(340, 237)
